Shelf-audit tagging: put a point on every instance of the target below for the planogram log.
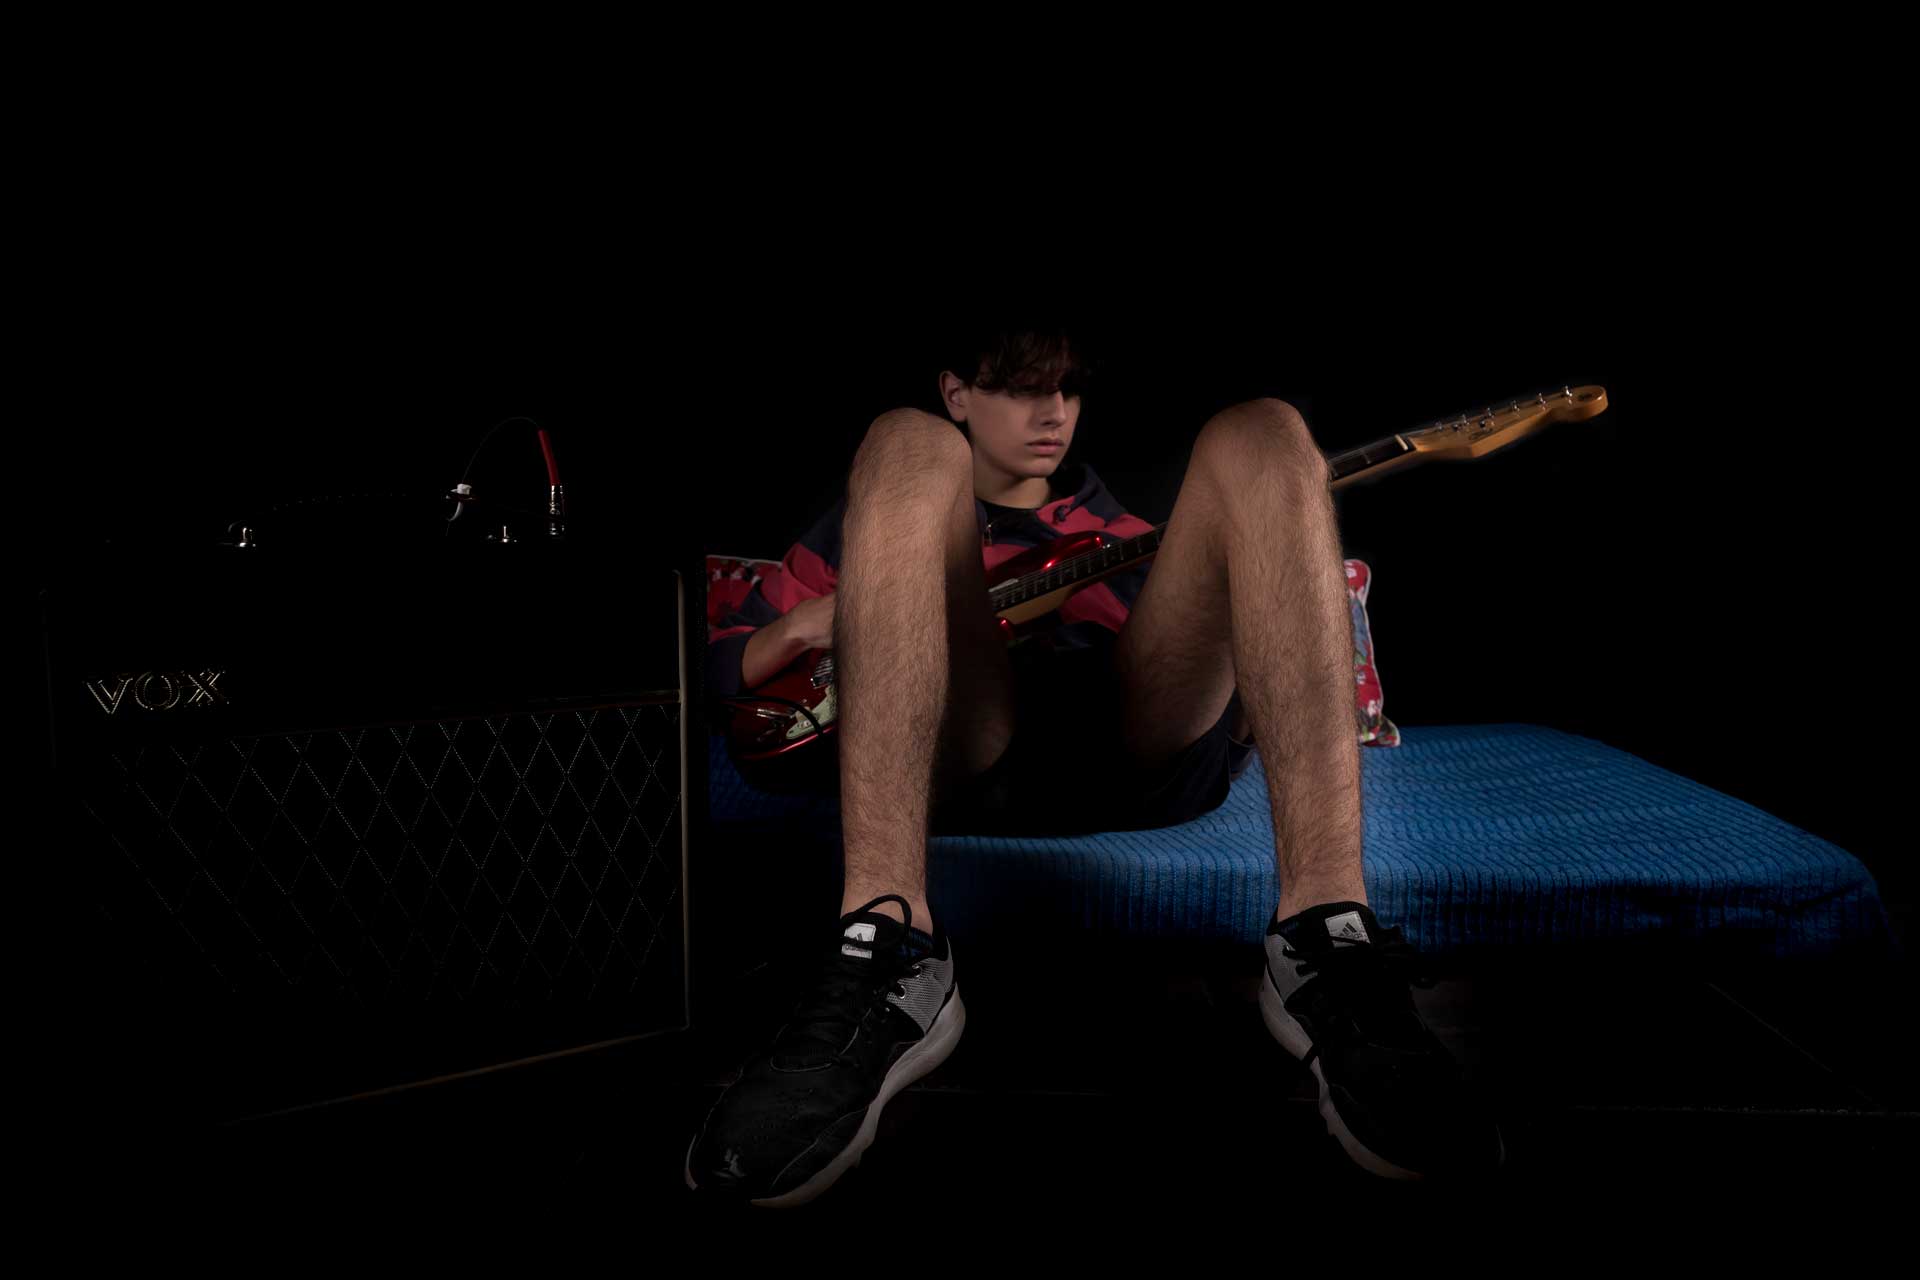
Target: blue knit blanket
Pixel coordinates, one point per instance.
(1476, 837)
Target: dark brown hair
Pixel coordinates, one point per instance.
(1039, 354)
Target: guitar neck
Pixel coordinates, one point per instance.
(1350, 467)
(1370, 461)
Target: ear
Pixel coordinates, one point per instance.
(954, 394)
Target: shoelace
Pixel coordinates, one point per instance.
(1369, 980)
(840, 1000)
(1393, 955)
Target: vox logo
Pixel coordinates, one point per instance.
(158, 690)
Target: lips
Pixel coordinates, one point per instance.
(1043, 444)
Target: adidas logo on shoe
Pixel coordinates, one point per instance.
(1347, 928)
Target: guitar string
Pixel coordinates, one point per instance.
(1444, 424)
(1074, 562)
(1016, 585)
(1334, 460)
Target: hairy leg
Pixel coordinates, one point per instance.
(1249, 589)
(924, 681)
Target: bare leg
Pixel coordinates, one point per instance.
(924, 680)
(1249, 589)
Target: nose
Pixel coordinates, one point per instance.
(1053, 408)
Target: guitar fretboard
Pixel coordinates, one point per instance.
(1086, 565)
(1354, 461)
(1108, 559)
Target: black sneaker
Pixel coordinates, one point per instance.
(1336, 996)
(884, 1012)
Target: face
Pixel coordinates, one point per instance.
(1004, 425)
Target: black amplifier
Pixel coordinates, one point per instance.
(326, 825)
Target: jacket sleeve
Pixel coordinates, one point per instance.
(810, 569)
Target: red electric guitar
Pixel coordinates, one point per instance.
(796, 708)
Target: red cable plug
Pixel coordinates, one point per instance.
(553, 468)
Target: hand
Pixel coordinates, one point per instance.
(811, 622)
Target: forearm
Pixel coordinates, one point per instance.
(769, 651)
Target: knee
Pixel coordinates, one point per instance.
(1264, 439)
(908, 444)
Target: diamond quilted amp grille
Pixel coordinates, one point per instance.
(521, 859)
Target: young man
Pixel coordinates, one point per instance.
(1240, 623)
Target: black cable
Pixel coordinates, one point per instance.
(255, 515)
(466, 476)
(466, 473)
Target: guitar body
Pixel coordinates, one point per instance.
(797, 708)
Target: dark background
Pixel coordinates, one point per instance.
(1697, 576)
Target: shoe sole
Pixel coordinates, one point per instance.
(927, 1053)
(1294, 1039)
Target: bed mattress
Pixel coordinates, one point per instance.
(1476, 837)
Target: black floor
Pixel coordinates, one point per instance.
(1122, 1079)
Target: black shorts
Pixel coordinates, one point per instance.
(1065, 772)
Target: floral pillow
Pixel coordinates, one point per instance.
(730, 579)
(1375, 729)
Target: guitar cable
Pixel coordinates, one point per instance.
(462, 493)
(768, 697)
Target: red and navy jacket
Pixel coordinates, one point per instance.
(1090, 619)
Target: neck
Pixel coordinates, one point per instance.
(991, 484)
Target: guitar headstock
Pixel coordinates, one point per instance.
(1496, 427)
